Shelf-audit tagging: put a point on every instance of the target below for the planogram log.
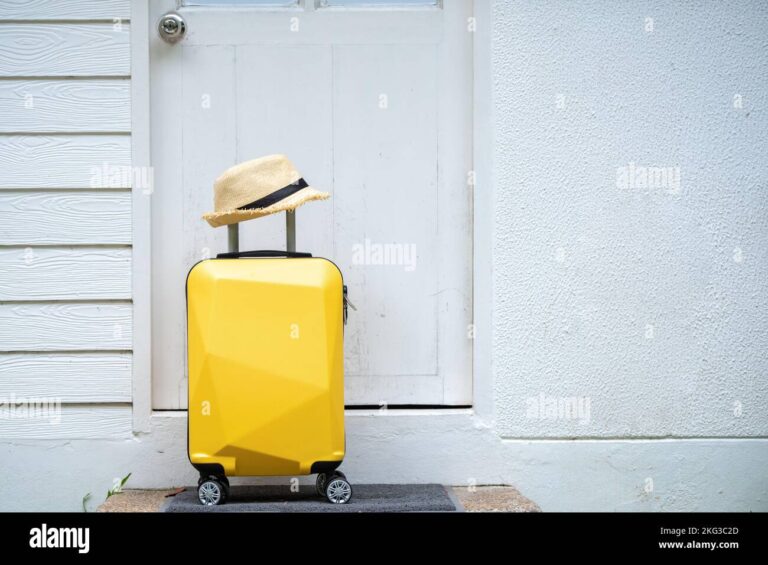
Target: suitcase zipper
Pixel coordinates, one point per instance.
(347, 302)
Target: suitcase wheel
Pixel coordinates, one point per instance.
(337, 489)
(221, 478)
(320, 484)
(212, 491)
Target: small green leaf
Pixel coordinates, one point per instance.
(118, 488)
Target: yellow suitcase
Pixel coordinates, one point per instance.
(266, 378)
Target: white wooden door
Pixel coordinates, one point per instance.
(373, 104)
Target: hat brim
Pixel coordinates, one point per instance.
(292, 202)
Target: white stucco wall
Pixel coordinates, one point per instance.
(650, 302)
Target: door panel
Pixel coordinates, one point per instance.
(385, 150)
(300, 125)
(374, 106)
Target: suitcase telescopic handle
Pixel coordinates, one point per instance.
(262, 253)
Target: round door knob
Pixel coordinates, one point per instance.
(171, 27)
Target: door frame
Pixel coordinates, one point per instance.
(141, 220)
(482, 207)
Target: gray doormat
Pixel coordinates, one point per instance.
(279, 498)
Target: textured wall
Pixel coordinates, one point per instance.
(642, 304)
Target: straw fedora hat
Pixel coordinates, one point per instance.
(258, 188)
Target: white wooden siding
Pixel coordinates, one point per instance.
(64, 161)
(66, 313)
(65, 273)
(32, 49)
(65, 217)
(101, 421)
(79, 377)
(62, 326)
(65, 105)
(64, 9)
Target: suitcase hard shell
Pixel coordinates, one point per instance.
(265, 364)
